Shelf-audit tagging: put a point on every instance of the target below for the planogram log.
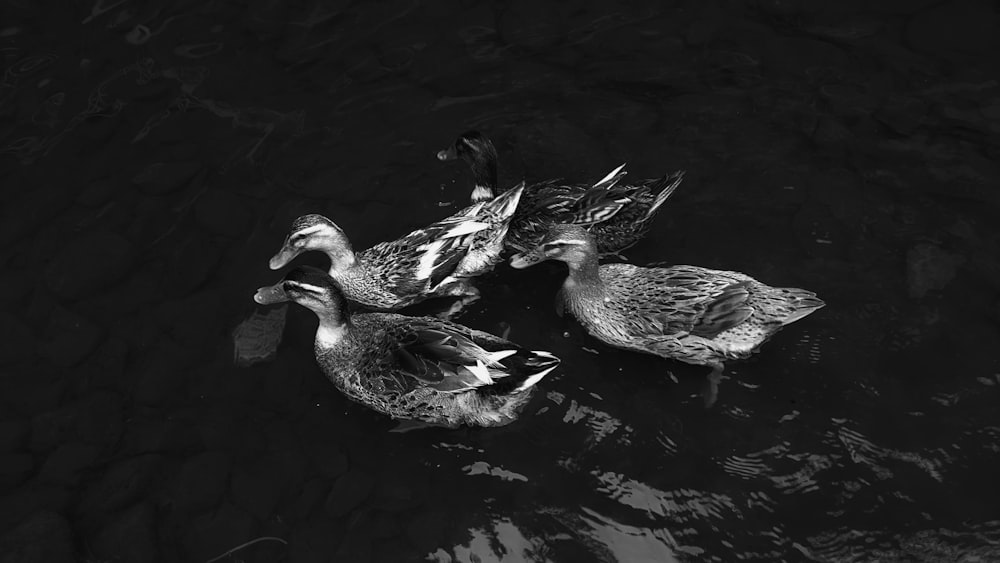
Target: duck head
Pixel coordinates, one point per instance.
(312, 288)
(479, 153)
(571, 244)
(315, 232)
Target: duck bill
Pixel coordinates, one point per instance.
(447, 154)
(283, 257)
(525, 259)
(271, 294)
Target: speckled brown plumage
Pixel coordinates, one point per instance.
(688, 313)
(415, 368)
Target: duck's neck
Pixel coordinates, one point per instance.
(342, 258)
(484, 171)
(333, 328)
(584, 275)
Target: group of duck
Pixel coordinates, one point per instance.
(428, 370)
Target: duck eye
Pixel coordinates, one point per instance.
(307, 288)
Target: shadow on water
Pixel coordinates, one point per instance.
(153, 157)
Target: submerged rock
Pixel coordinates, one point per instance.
(15, 468)
(959, 26)
(45, 537)
(65, 463)
(257, 488)
(161, 178)
(70, 338)
(123, 483)
(928, 267)
(89, 264)
(348, 492)
(16, 340)
(13, 434)
(201, 482)
(223, 213)
(214, 533)
(130, 536)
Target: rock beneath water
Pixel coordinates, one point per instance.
(348, 492)
(194, 322)
(18, 506)
(313, 493)
(51, 428)
(105, 367)
(314, 541)
(13, 434)
(101, 418)
(15, 287)
(45, 537)
(960, 26)
(124, 483)
(331, 462)
(161, 178)
(162, 376)
(130, 536)
(535, 25)
(928, 267)
(37, 207)
(191, 263)
(902, 114)
(64, 465)
(14, 469)
(849, 100)
(257, 489)
(97, 192)
(428, 530)
(16, 340)
(396, 492)
(201, 482)
(223, 213)
(830, 133)
(70, 338)
(214, 533)
(89, 264)
(799, 56)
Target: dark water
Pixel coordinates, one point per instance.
(152, 158)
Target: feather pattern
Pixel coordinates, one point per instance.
(618, 214)
(416, 368)
(692, 314)
(434, 261)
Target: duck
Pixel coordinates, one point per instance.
(619, 215)
(692, 314)
(426, 370)
(438, 260)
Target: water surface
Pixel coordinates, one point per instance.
(153, 157)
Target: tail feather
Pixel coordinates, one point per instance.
(801, 302)
(669, 184)
(607, 182)
(506, 203)
(543, 363)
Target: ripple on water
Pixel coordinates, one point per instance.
(500, 541)
(976, 543)
(769, 464)
(863, 451)
(681, 505)
(600, 423)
